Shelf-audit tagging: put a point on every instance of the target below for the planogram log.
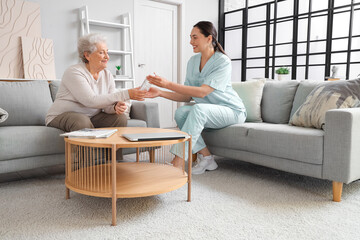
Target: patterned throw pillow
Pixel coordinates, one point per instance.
(339, 94)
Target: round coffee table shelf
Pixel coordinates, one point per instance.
(132, 180)
(91, 167)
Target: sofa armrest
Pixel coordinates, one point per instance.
(146, 111)
(341, 145)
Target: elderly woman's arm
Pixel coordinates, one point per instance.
(110, 109)
(77, 83)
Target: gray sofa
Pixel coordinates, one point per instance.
(26, 143)
(332, 153)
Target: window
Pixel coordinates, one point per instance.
(308, 36)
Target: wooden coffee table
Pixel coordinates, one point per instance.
(91, 167)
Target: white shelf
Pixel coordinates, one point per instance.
(125, 52)
(124, 79)
(118, 52)
(108, 24)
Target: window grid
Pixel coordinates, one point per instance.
(270, 50)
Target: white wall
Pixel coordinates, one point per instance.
(60, 22)
(195, 11)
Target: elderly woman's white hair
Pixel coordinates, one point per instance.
(88, 43)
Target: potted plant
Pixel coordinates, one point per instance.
(282, 73)
(118, 70)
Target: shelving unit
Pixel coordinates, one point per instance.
(125, 31)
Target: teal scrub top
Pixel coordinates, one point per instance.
(217, 74)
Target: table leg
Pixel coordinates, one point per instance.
(67, 194)
(189, 169)
(113, 183)
(137, 154)
(152, 155)
(67, 167)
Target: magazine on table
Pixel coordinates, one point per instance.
(90, 133)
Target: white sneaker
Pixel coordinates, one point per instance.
(204, 163)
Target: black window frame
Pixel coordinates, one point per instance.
(309, 15)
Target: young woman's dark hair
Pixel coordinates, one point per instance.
(207, 29)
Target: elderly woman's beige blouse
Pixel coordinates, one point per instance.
(80, 92)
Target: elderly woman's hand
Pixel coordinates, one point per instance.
(120, 107)
(158, 81)
(136, 94)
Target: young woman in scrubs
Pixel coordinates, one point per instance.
(208, 83)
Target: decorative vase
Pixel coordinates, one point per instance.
(118, 72)
(282, 77)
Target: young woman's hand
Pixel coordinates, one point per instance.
(158, 81)
(153, 93)
(136, 94)
(120, 107)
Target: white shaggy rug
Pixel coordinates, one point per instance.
(237, 201)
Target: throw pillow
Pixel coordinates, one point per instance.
(3, 115)
(277, 100)
(54, 88)
(334, 95)
(251, 94)
(303, 90)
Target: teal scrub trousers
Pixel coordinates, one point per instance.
(193, 119)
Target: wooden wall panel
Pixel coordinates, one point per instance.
(17, 18)
(38, 58)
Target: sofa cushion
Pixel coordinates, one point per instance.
(338, 94)
(277, 100)
(229, 137)
(276, 140)
(29, 141)
(26, 102)
(303, 90)
(3, 115)
(250, 93)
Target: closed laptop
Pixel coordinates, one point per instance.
(135, 137)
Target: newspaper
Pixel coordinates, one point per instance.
(90, 133)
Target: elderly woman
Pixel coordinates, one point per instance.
(87, 96)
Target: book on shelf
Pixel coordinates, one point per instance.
(90, 133)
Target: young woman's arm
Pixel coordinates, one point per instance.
(155, 92)
(198, 92)
(175, 96)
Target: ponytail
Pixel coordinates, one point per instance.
(217, 46)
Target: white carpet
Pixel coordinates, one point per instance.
(237, 201)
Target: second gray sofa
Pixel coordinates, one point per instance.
(331, 154)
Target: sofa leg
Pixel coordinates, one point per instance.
(337, 190)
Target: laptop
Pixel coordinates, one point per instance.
(136, 137)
